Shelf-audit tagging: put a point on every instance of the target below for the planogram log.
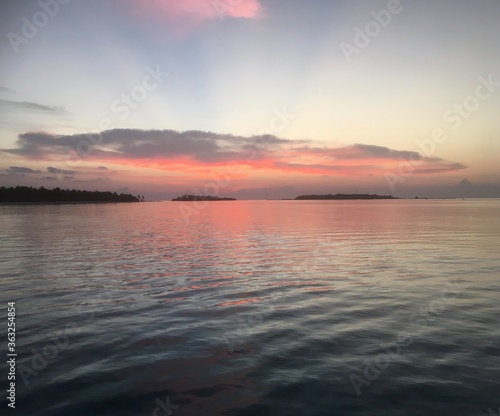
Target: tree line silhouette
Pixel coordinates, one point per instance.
(30, 194)
(344, 197)
(187, 197)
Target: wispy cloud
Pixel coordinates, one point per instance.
(60, 171)
(26, 106)
(20, 170)
(363, 151)
(174, 150)
(6, 90)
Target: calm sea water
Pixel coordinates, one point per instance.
(254, 308)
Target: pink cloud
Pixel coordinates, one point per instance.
(184, 15)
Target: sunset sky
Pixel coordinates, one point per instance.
(251, 98)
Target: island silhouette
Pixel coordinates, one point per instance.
(187, 197)
(343, 197)
(28, 194)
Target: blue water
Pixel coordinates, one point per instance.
(254, 308)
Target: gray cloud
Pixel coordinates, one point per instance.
(24, 106)
(211, 148)
(322, 167)
(467, 189)
(146, 144)
(57, 170)
(443, 167)
(463, 189)
(362, 151)
(15, 170)
(91, 180)
(6, 90)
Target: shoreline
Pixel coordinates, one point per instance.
(67, 202)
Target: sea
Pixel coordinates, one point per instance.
(384, 307)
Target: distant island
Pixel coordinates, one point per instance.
(29, 195)
(201, 198)
(343, 197)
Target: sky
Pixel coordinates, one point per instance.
(253, 99)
